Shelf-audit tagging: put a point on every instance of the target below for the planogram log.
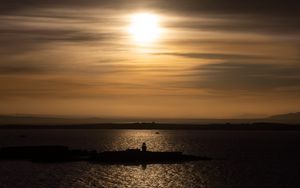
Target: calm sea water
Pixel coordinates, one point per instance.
(243, 159)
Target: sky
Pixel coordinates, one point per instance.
(211, 58)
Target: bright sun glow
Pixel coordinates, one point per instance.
(144, 27)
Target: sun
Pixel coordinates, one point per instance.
(144, 27)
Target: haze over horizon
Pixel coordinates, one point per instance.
(159, 58)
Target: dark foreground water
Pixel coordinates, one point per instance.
(243, 159)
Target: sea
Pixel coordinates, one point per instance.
(240, 159)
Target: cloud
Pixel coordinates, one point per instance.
(245, 76)
(241, 24)
(211, 56)
(100, 68)
(51, 25)
(258, 16)
(29, 33)
(27, 25)
(55, 35)
(261, 6)
(274, 7)
(9, 6)
(23, 68)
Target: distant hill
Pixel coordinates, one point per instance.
(291, 116)
(286, 118)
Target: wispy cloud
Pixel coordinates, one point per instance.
(81, 49)
(245, 76)
(212, 56)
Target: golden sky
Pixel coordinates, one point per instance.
(189, 59)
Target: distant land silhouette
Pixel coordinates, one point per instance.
(59, 153)
(289, 117)
(277, 122)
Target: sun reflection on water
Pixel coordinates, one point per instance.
(152, 175)
(168, 175)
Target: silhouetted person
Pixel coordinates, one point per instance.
(144, 147)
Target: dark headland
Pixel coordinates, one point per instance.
(52, 153)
